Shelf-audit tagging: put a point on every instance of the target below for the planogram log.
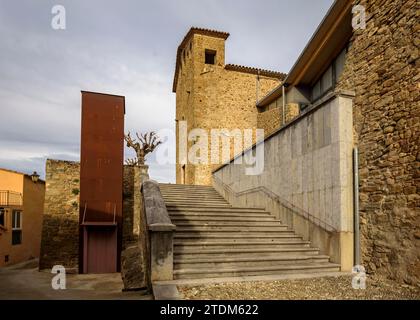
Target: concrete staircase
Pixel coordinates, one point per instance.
(214, 239)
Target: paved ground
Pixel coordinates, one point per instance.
(26, 282)
(325, 288)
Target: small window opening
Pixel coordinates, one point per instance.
(210, 57)
(2, 217)
(16, 227)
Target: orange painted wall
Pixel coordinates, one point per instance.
(32, 212)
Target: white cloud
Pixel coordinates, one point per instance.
(123, 48)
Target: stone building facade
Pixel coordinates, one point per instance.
(382, 67)
(60, 229)
(213, 95)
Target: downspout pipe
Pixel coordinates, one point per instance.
(283, 94)
(258, 87)
(356, 206)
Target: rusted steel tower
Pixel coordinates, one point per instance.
(101, 182)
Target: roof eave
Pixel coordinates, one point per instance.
(330, 22)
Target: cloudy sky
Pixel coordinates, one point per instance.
(124, 47)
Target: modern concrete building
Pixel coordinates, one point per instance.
(21, 208)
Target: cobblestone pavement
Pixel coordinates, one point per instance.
(326, 288)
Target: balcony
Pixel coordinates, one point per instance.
(10, 198)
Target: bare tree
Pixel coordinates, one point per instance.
(146, 144)
(131, 161)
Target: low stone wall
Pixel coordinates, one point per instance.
(160, 232)
(135, 256)
(308, 165)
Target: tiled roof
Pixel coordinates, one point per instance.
(18, 172)
(262, 72)
(194, 30)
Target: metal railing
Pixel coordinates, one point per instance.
(283, 202)
(10, 198)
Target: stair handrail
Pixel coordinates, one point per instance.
(283, 202)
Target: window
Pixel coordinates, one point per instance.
(329, 78)
(316, 90)
(210, 57)
(2, 217)
(339, 64)
(16, 227)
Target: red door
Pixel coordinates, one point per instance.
(100, 249)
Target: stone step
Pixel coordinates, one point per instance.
(202, 204)
(222, 229)
(189, 191)
(192, 197)
(216, 210)
(165, 184)
(227, 223)
(215, 244)
(255, 271)
(248, 261)
(193, 194)
(186, 188)
(200, 218)
(196, 202)
(215, 239)
(181, 252)
(249, 236)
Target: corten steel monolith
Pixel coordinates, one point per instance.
(101, 182)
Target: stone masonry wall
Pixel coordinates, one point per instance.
(269, 120)
(60, 231)
(212, 97)
(382, 67)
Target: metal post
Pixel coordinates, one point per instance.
(356, 206)
(257, 87)
(284, 105)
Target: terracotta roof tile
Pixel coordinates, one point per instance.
(233, 67)
(262, 72)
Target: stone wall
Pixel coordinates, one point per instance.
(60, 231)
(382, 68)
(215, 97)
(131, 206)
(269, 120)
(308, 164)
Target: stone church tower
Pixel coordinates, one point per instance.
(213, 95)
